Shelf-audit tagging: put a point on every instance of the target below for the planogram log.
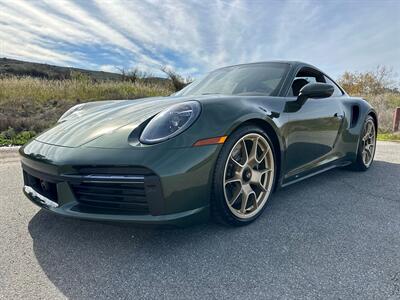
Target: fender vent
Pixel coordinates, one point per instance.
(355, 113)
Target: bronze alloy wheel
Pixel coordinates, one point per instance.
(368, 142)
(248, 175)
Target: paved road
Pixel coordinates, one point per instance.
(333, 236)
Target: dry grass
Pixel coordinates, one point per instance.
(30, 105)
(34, 104)
(42, 90)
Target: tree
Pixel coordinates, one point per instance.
(368, 83)
(133, 75)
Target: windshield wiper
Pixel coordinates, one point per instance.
(211, 94)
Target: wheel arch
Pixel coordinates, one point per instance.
(275, 139)
(374, 115)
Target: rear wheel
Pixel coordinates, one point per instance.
(244, 177)
(366, 147)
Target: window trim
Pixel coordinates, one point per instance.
(313, 69)
(340, 89)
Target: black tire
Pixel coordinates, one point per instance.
(220, 211)
(359, 164)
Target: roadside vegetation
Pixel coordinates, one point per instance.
(380, 88)
(29, 105)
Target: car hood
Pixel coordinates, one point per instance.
(104, 119)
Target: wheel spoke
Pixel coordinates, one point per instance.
(232, 180)
(263, 156)
(236, 196)
(244, 151)
(253, 151)
(367, 150)
(257, 176)
(244, 203)
(255, 203)
(369, 128)
(366, 136)
(237, 164)
(247, 192)
(368, 131)
(364, 156)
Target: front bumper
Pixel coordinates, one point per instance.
(149, 187)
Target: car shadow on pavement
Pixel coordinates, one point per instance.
(315, 236)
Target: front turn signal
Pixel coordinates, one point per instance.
(211, 141)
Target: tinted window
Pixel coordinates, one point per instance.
(252, 80)
(304, 76)
(294, 90)
(336, 91)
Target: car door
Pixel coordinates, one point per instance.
(312, 131)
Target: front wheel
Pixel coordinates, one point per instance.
(244, 177)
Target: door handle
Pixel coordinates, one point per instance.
(339, 116)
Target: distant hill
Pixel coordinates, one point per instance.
(23, 68)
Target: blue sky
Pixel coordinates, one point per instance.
(194, 37)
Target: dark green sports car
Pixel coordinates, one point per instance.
(218, 147)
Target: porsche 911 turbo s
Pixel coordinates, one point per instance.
(217, 148)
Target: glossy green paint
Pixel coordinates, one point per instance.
(309, 140)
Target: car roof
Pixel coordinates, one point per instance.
(293, 63)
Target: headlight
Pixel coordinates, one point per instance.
(73, 110)
(170, 122)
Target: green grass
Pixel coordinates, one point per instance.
(389, 137)
(16, 139)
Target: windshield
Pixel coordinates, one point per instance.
(262, 79)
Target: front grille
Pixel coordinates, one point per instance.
(99, 195)
(41, 186)
(102, 190)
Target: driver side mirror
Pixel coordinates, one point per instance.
(314, 90)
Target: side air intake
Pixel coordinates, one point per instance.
(355, 114)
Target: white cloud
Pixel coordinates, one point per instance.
(196, 36)
(109, 68)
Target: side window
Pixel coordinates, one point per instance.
(336, 92)
(309, 79)
(303, 77)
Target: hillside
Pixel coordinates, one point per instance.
(13, 67)
(33, 96)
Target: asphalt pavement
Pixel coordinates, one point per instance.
(333, 236)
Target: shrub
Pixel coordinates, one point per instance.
(379, 88)
(177, 80)
(9, 137)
